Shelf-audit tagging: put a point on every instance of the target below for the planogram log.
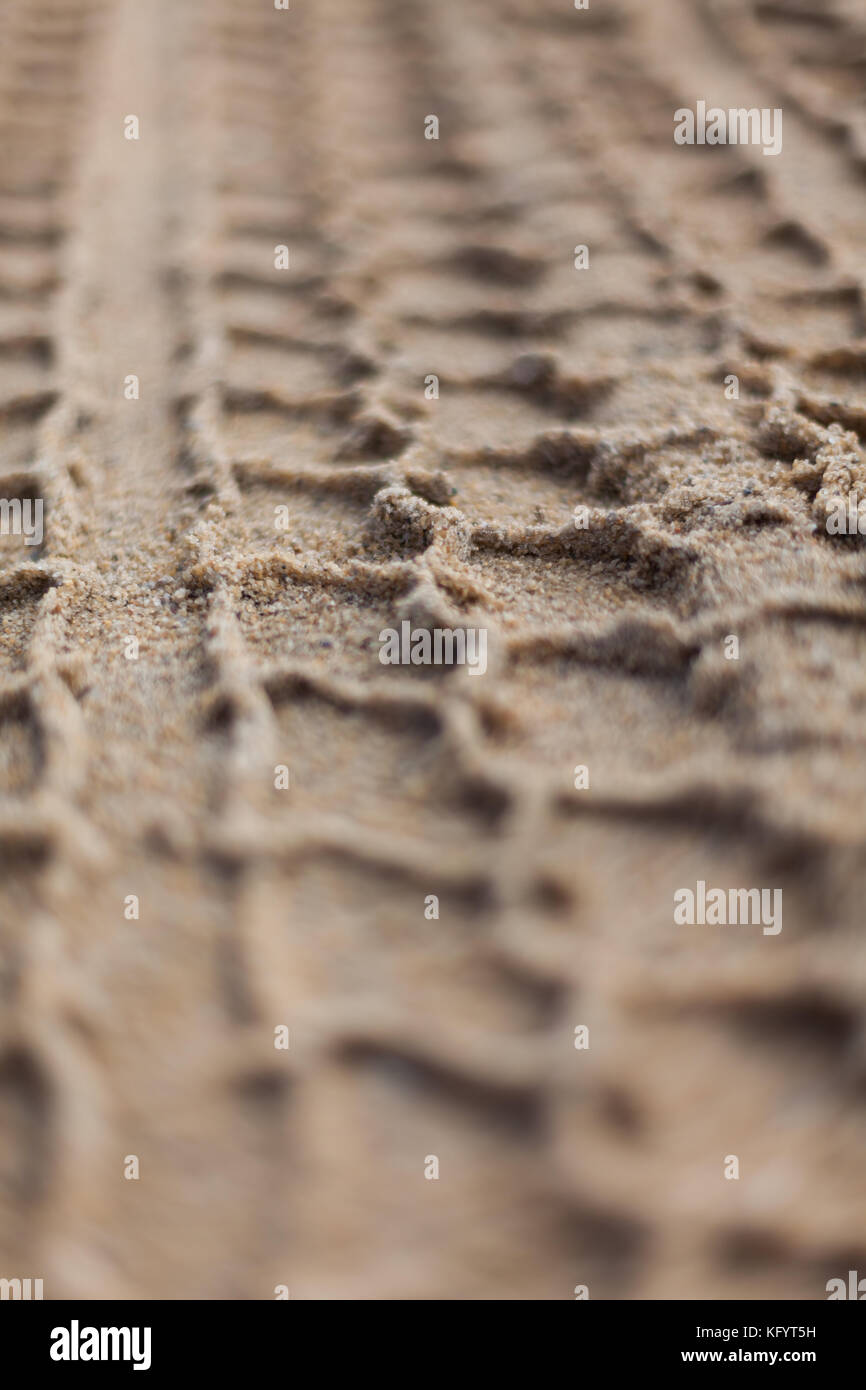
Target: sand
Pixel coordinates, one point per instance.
(170, 657)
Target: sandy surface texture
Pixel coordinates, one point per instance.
(247, 475)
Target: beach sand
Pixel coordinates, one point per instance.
(167, 904)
